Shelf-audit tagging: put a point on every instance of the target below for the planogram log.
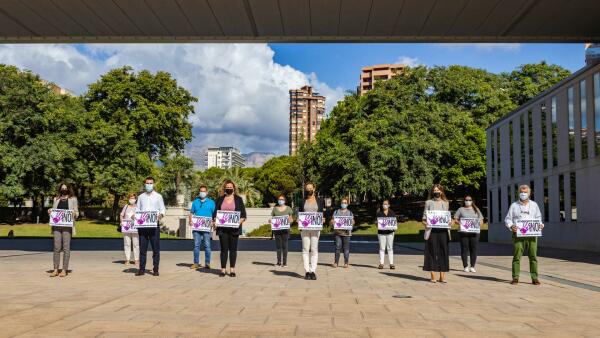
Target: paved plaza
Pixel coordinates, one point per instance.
(103, 298)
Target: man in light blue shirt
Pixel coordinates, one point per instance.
(205, 207)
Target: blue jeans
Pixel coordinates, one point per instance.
(202, 239)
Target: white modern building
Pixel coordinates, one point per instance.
(551, 143)
(223, 157)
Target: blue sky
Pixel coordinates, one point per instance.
(339, 64)
(243, 89)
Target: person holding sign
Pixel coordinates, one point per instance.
(310, 238)
(281, 218)
(437, 234)
(342, 223)
(202, 210)
(150, 209)
(62, 216)
(385, 236)
(469, 220)
(130, 233)
(229, 225)
(524, 212)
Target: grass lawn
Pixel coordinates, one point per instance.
(408, 231)
(84, 229)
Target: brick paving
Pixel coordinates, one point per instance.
(103, 298)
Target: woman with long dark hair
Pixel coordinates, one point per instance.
(468, 240)
(282, 235)
(64, 200)
(228, 237)
(310, 238)
(437, 258)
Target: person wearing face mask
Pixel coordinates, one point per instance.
(130, 238)
(150, 200)
(282, 236)
(202, 206)
(228, 237)
(468, 241)
(523, 209)
(310, 238)
(342, 237)
(437, 257)
(65, 200)
(386, 237)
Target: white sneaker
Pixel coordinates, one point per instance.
(473, 270)
(466, 269)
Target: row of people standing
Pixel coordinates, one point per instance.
(436, 255)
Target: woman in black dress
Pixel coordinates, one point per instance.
(437, 258)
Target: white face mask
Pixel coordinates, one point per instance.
(131, 201)
(149, 187)
(385, 207)
(523, 196)
(468, 203)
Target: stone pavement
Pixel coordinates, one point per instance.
(103, 298)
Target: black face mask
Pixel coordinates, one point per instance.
(437, 194)
(64, 192)
(309, 192)
(229, 191)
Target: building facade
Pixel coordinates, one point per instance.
(551, 143)
(223, 157)
(371, 74)
(307, 110)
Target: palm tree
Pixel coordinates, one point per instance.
(244, 187)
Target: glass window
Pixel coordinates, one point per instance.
(561, 196)
(510, 150)
(493, 148)
(554, 133)
(523, 145)
(583, 115)
(498, 156)
(545, 135)
(530, 131)
(571, 124)
(546, 206)
(573, 188)
(597, 111)
(499, 214)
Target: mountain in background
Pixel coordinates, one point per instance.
(257, 159)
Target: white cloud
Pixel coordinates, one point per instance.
(482, 47)
(242, 93)
(409, 61)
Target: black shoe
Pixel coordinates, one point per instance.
(140, 273)
(222, 274)
(155, 273)
(307, 276)
(232, 274)
(313, 276)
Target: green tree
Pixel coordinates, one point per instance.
(279, 175)
(152, 107)
(529, 80)
(176, 174)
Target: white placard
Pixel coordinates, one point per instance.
(61, 218)
(201, 223)
(146, 219)
(387, 223)
(128, 226)
(228, 219)
(529, 228)
(438, 219)
(470, 225)
(280, 222)
(310, 220)
(342, 222)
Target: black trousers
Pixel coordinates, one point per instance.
(229, 243)
(149, 236)
(468, 247)
(281, 243)
(437, 257)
